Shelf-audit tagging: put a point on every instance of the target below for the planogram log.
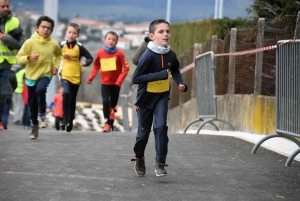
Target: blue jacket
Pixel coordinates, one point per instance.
(152, 67)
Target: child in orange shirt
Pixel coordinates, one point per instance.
(57, 102)
(113, 67)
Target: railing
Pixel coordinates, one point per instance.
(207, 99)
(287, 95)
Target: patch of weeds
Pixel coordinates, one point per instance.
(97, 116)
(77, 126)
(88, 105)
(91, 126)
(79, 109)
(119, 121)
(88, 119)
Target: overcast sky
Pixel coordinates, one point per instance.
(141, 10)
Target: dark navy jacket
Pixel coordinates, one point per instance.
(152, 67)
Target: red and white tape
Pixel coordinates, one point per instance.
(247, 51)
(192, 65)
(188, 67)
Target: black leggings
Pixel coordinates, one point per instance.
(110, 96)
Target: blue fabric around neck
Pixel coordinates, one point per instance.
(110, 50)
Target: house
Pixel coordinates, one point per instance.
(124, 43)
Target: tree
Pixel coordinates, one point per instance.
(273, 9)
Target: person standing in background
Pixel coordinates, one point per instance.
(141, 49)
(57, 102)
(8, 101)
(26, 113)
(11, 39)
(17, 99)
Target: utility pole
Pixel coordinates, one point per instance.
(168, 11)
(218, 9)
(216, 14)
(51, 10)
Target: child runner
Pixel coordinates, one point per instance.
(72, 52)
(113, 67)
(153, 76)
(42, 56)
(57, 102)
(26, 113)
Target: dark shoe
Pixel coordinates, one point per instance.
(69, 127)
(65, 122)
(160, 169)
(139, 166)
(61, 125)
(34, 134)
(17, 122)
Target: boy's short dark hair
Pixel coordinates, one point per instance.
(153, 24)
(112, 33)
(45, 18)
(75, 26)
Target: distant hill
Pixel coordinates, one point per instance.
(139, 10)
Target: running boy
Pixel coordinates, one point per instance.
(72, 52)
(42, 56)
(153, 76)
(57, 102)
(114, 68)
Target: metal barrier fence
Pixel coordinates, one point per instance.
(287, 95)
(206, 96)
(125, 103)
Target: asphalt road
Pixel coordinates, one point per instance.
(88, 166)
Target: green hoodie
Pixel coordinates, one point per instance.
(49, 56)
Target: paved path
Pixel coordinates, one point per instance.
(88, 166)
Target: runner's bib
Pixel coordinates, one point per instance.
(159, 86)
(108, 64)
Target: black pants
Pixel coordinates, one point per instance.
(157, 116)
(69, 99)
(110, 96)
(26, 116)
(37, 98)
(58, 120)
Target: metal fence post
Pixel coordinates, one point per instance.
(297, 28)
(231, 73)
(123, 100)
(134, 115)
(259, 57)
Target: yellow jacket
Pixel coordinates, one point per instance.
(49, 56)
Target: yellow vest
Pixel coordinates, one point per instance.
(71, 69)
(20, 76)
(5, 52)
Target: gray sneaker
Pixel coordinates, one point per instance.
(160, 170)
(139, 166)
(34, 132)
